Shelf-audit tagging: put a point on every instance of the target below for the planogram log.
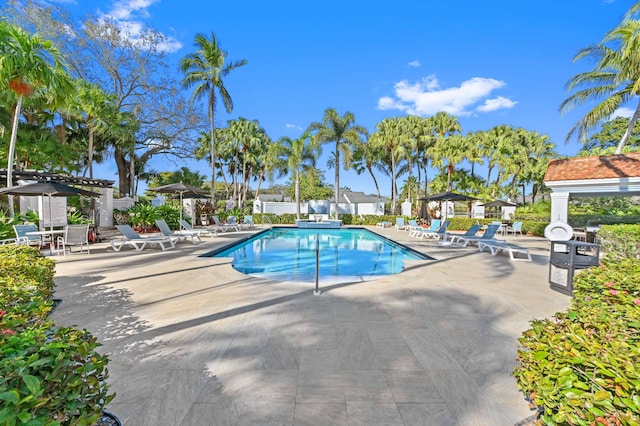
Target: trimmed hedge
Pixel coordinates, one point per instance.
(49, 375)
(582, 367)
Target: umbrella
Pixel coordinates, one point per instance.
(185, 191)
(447, 196)
(499, 203)
(50, 189)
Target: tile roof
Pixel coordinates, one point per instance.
(599, 167)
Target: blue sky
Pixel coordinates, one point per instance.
(487, 62)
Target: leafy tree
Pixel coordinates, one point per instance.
(346, 135)
(312, 186)
(158, 120)
(366, 157)
(205, 69)
(613, 82)
(29, 63)
(184, 175)
(300, 155)
(609, 136)
(448, 150)
(391, 138)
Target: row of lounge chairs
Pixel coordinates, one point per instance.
(438, 231)
(169, 237)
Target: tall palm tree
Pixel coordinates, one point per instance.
(29, 63)
(343, 131)
(613, 82)
(391, 137)
(206, 69)
(97, 110)
(366, 156)
(445, 126)
(300, 154)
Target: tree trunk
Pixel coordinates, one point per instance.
(297, 191)
(375, 181)
(337, 189)
(123, 170)
(629, 131)
(12, 150)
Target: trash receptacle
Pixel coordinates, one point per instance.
(568, 256)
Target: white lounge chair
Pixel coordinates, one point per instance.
(163, 226)
(232, 222)
(133, 239)
(488, 235)
(417, 231)
(437, 234)
(400, 225)
(200, 231)
(497, 246)
(218, 226)
(247, 221)
(471, 232)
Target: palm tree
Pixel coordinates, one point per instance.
(447, 148)
(97, 110)
(205, 69)
(29, 63)
(299, 154)
(346, 135)
(390, 136)
(366, 156)
(613, 82)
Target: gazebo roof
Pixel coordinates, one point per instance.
(599, 167)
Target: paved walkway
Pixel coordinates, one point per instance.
(194, 342)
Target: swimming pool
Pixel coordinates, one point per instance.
(289, 254)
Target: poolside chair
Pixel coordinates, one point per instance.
(29, 240)
(496, 246)
(135, 240)
(179, 235)
(438, 233)
(74, 235)
(232, 222)
(411, 224)
(400, 225)
(219, 226)
(417, 232)
(248, 221)
(515, 229)
(384, 224)
(199, 231)
(471, 232)
(488, 235)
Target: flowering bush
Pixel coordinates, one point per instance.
(583, 366)
(49, 375)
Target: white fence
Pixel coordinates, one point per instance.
(318, 207)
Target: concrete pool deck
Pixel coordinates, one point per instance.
(191, 341)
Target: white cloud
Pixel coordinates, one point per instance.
(129, 15)
(496, 103)
(415, 64)
(292, 126)
(426, 97)
(623, 112)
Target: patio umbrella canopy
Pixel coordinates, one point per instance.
(182, 189)
(50, 189)
(499, 203)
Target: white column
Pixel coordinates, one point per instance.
(559, 206)
(106, 208)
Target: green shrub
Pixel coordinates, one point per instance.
(170, 213)
(620, 241)
(582, 367)
(143, 215)
(48, 375)
(582, 220)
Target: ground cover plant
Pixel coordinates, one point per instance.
(582, 367)
(49, 375)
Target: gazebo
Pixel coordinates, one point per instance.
(611, 175)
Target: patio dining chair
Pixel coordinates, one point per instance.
(74, 235)
(21, 232)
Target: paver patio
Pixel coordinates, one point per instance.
(194, 342)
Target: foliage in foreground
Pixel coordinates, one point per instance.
(49, 375)
(582, 367)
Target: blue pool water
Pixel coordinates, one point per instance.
(289, 254)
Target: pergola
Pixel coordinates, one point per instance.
(612, 175)
(104, 186)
